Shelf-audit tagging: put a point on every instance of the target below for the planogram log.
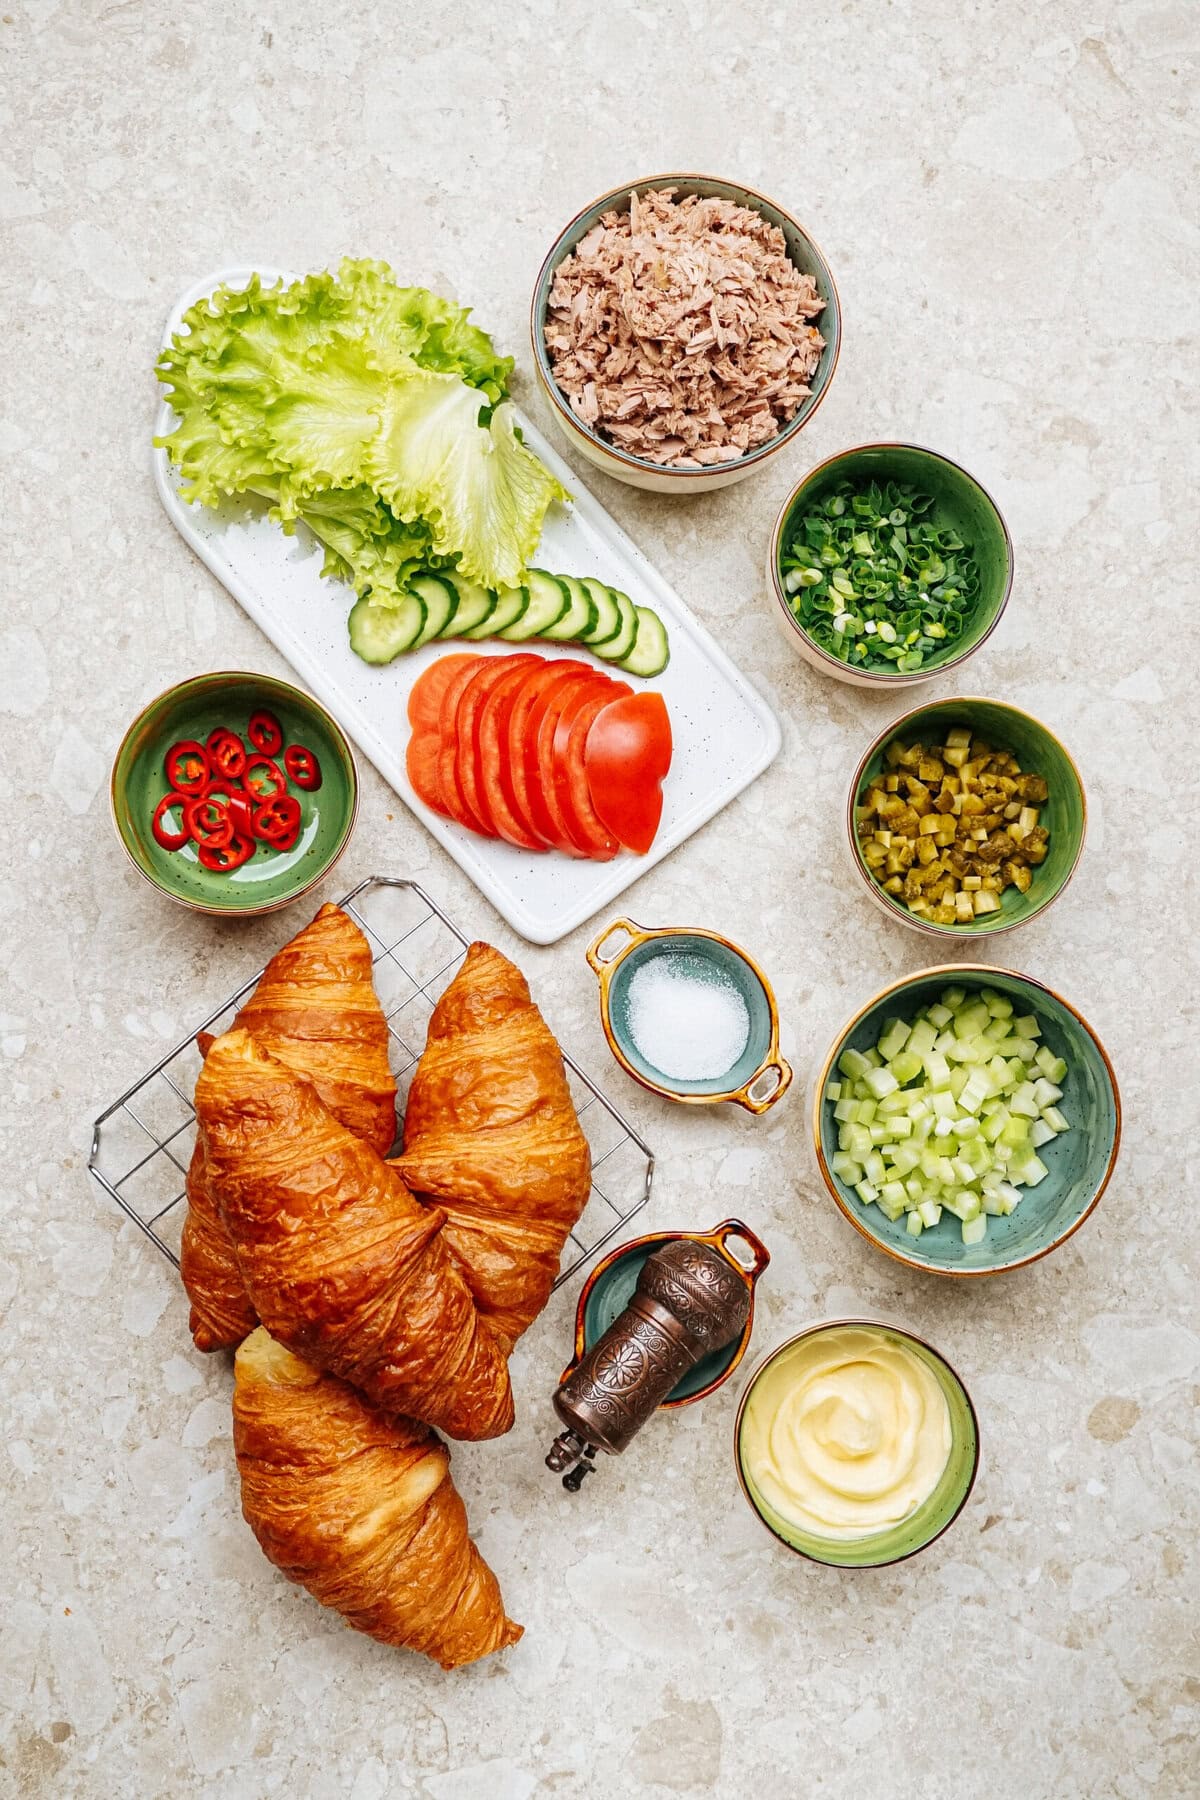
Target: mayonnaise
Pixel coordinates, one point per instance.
(846, 1432)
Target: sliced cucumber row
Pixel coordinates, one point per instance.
(559, 608)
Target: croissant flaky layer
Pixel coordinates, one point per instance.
(491, 1134)
(357, 1505)
(343, 1265)
(314, 1008)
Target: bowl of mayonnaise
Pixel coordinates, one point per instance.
(856, 1443)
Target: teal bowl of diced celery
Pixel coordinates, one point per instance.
(889, 563)
(967, 1120)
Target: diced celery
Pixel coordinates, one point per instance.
(944, 1128)
(895, 1036)
(944, 1169)
(1027, 1026)
(874, 1058)
(945, 1042)
(1040, 1133)
(890, 1208)
(915, 1224)
(1026, 1048)
(999, 1005)
(1046, 1092)
(997, 1068)
(846, 1168)
(929, 1164)
(944, 1104)
(866, 1192)
(833, 1090)
(914, 1187)
(995, 1123)
(958, 1080)
(864, 1110)
(962, 1203)
(963, 1171)
(893, 1105)
(1056, 1120)
(996, 1206)
(893, 1192)
(974, 1091)
(997, 1031)
(1024, 1101)
(1052, 1067)
(874, 1168)
(921, 1038)
(974, 1230)
(853, 1063)
(937, 1069)
(858, 1140)
(907, 1066)
(930, 1213)
(905, 1158)
(966, 1126)
(1015, 1135)
(899, 1128)
(938, 1015)
(953, 998)
(846, 1111)
(970, 1021)
(881, 1082)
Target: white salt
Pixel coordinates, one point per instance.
(687, 1017)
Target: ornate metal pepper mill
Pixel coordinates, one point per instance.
(690, 1300)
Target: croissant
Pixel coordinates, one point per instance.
(491, 1134)
(358, 1506)
(315, 1009)
(340, 1261)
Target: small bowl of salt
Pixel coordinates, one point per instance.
(689, 1015)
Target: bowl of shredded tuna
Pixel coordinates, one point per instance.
(684, 329)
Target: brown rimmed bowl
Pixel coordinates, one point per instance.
(635, 470)
(960, 502)
(1039, 752)
(931, 1519)
(1080, 1161)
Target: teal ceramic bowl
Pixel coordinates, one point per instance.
(610, 1287)
(635, 470)
(959, 502)
(920, 1528)
(1080, 1161)
(1039, 752)
(759, 1077)
(270, 878)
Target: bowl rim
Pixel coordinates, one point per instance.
(541, 360)
(954, 971)
(278, 685)
(877, 677)
(768, 1357)
(959, 933)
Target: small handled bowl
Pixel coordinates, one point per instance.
(610, 1287)
(758, 1078)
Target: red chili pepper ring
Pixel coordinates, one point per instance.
(265, 732)
(187, 768)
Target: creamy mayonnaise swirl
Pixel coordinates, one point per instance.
(846, 1432)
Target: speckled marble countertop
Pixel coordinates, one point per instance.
(1003, 194)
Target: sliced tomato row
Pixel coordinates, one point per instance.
(545, 754)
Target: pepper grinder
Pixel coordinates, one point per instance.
(689, 1301)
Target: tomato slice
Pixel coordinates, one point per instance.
(626, 757)
(447, 769)
(424, 715)
(491, 756)
(539, 757)
(584, 826)
(521, 726)
(495, 670)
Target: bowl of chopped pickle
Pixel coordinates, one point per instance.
(889, 564)
(966, 817)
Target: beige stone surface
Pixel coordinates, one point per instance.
(1004, 195)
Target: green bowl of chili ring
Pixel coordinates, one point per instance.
(889, 564)
(295, 780)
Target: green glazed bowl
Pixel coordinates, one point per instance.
(1039, 752)
(959, 502)
(934, 1516)
(610, 1287)
(635, 470)
(1080, 1161)
(270, 878)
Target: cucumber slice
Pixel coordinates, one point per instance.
(441, 604)
(548, 601)
(511, 604)
(579, 617)
(618, 646)
(475, 604)
(379, 633)
(651, 651)
(608, 612)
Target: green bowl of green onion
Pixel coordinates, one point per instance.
(889, 564)
(967, 1120)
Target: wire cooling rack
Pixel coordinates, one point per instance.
(142, 1144)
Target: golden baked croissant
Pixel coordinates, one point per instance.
(342, 1264)
(357, 1505)
(491, 1134)
(314, 1008)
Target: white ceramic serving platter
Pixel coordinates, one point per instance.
(724, 732)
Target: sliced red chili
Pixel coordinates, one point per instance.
(278, 819)
(265, 732)
(241, 810)
(226, 752)
(188, 768)
(209, 821)
(272, 772)
(170, 840)
(221, 858)
(302, 766)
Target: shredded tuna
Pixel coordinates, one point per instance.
(681, 330)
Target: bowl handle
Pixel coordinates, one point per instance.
(637, 934)
(720, 1234)
(760, 1102)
